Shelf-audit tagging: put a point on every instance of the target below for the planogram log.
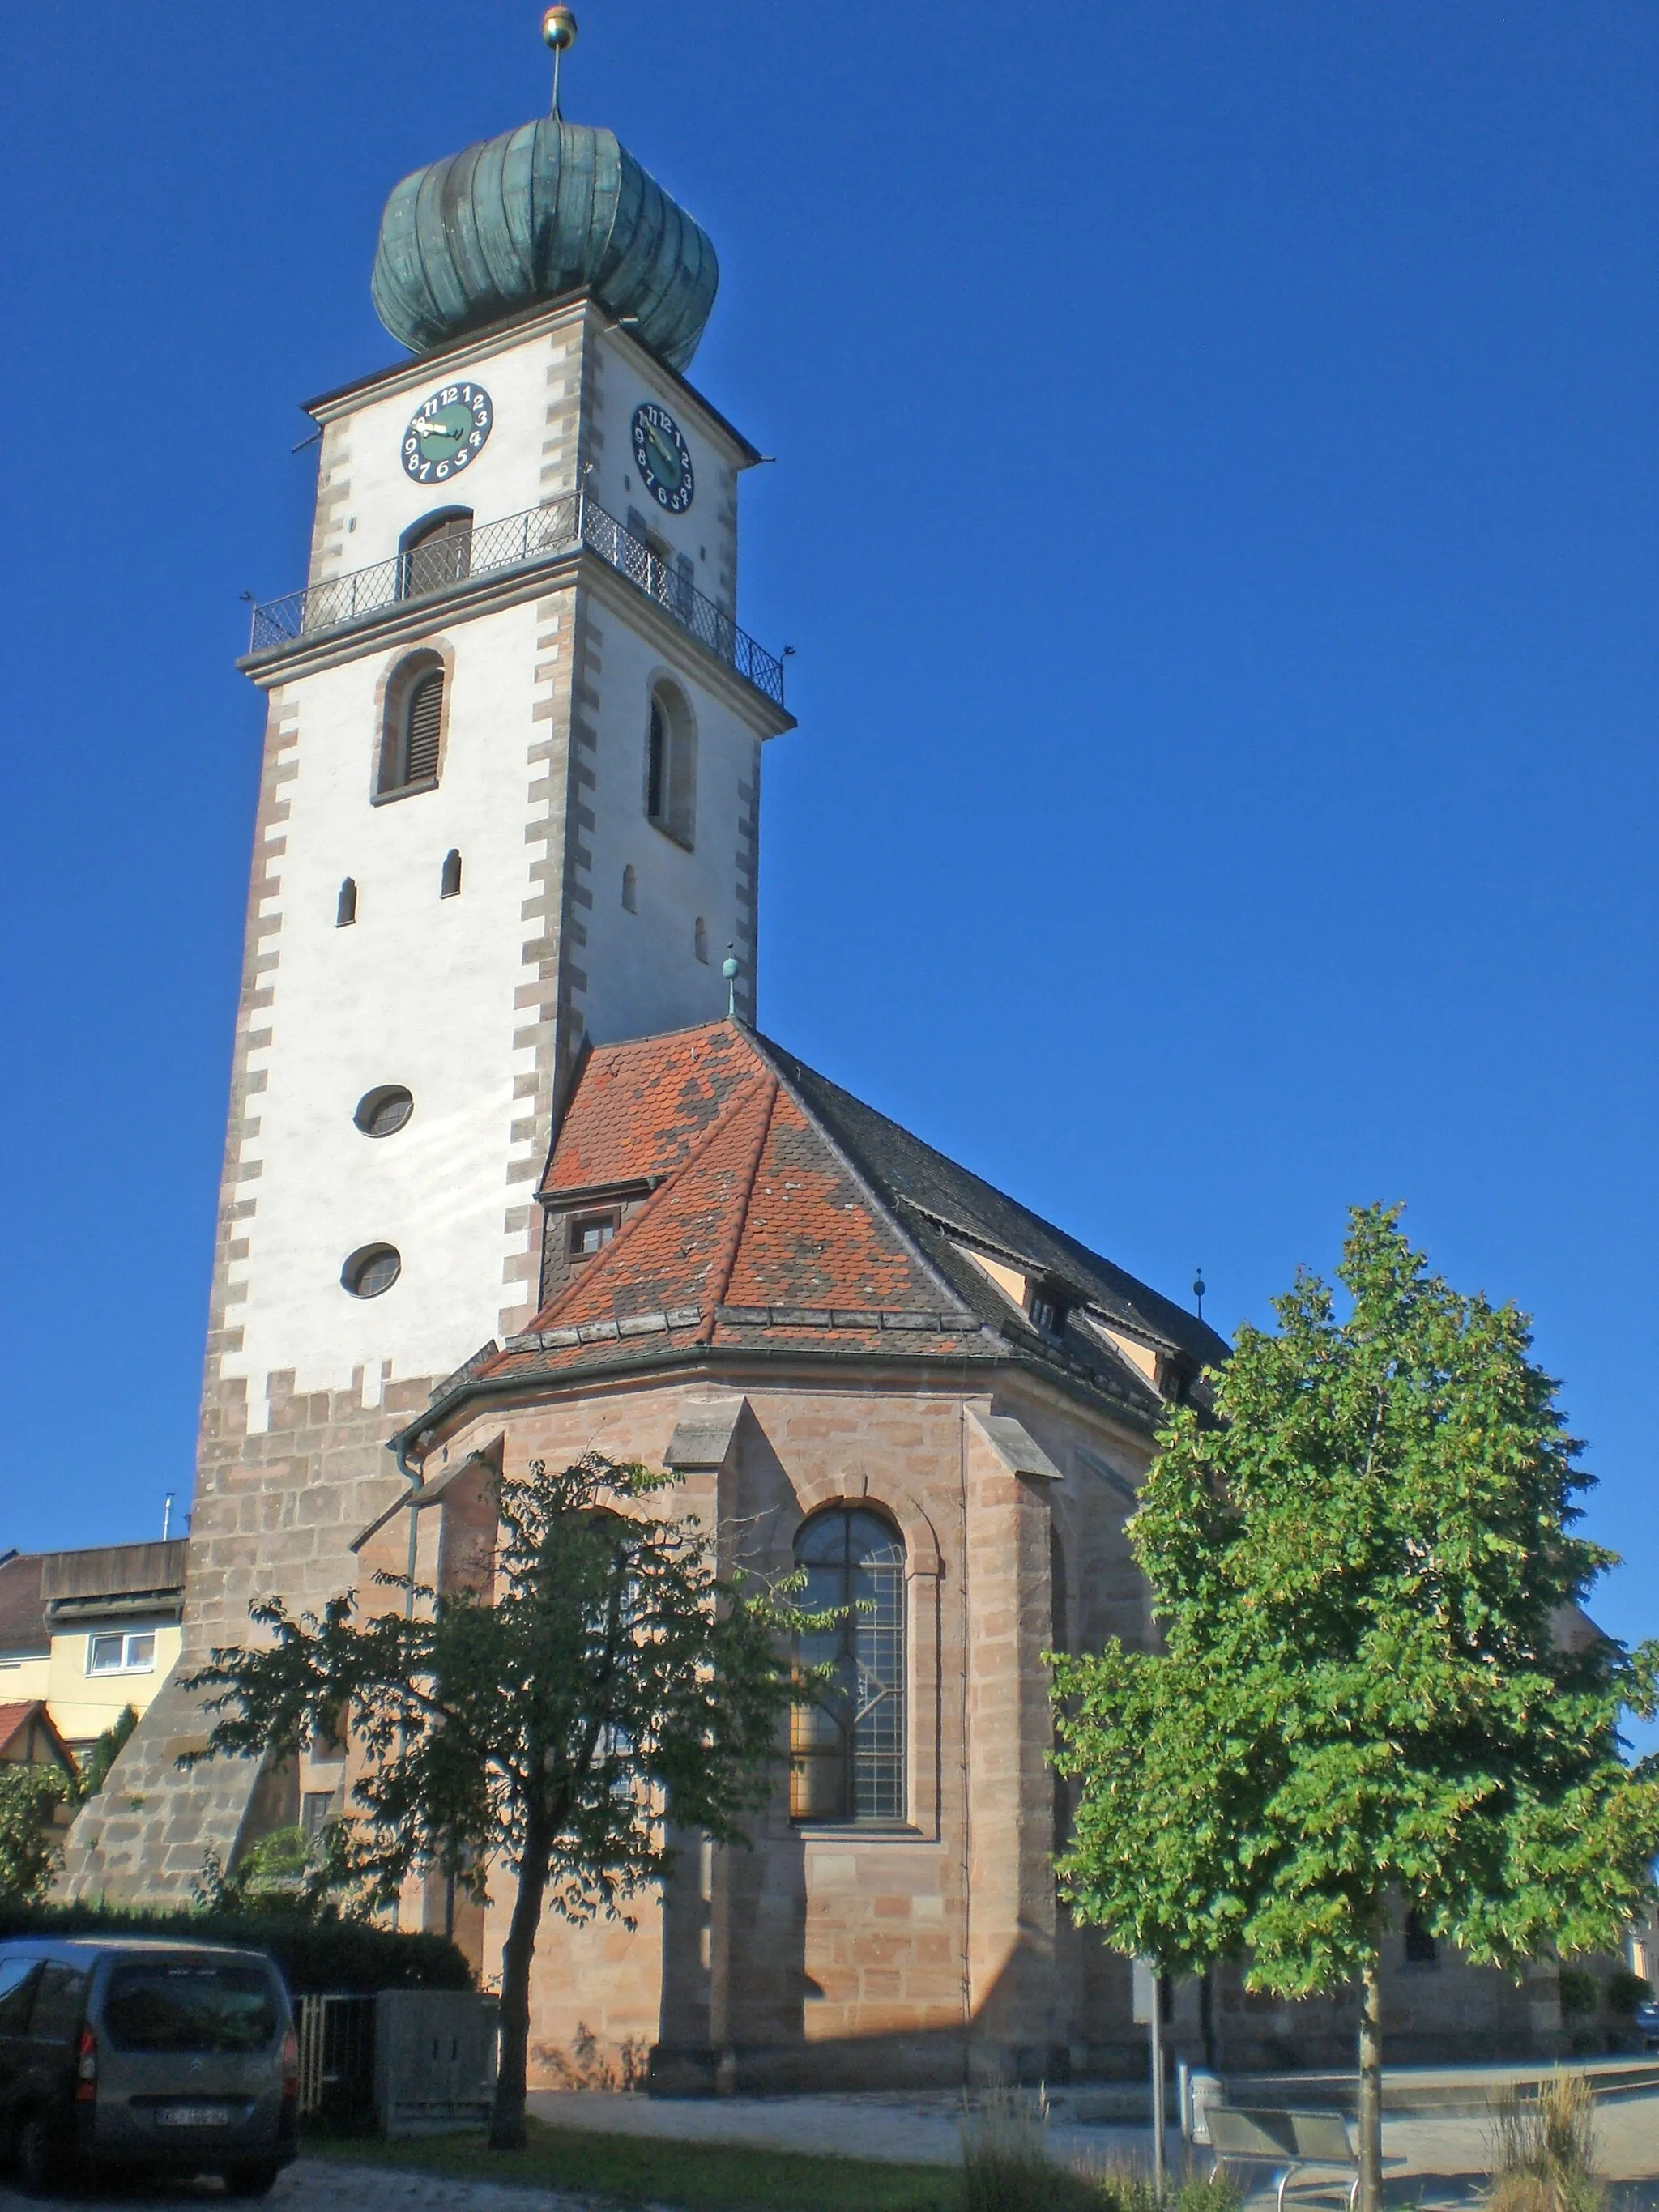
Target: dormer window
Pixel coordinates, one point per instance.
(1046, 1309)
(590, 1233)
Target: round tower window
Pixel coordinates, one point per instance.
(382, 1112)
(371, 1269)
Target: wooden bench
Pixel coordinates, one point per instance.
(1314, 2145)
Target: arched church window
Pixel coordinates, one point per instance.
(436, 552)
(671, 765)
(412, 736)
(450, 884)
(847, 1747)
(700, 940)
(345, 909)
(630, 889)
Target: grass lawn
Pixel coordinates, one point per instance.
(693, 2177)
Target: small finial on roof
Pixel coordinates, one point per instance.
(731, 970)
(559, 30)
(1199, 1288)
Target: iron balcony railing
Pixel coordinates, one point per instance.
(522, 540)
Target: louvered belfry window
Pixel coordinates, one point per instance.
(424, 721)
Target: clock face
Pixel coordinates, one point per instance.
(448, 432)
(661, 458)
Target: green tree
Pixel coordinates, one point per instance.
(600, 1678)
(1359, 1567)
(107, 1749)
(31, 1843)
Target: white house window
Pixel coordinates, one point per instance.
(122, 1654)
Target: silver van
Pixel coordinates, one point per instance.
(148, 2055)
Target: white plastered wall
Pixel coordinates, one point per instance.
(643, 970)
(421, 991)
(432, 993)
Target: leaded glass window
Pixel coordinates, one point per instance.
(847, 1747)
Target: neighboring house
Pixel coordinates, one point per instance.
(85, 1634)
(28, 1737)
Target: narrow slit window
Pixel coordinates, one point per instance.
(630, 891)
(345, 911)
(700, 940)
(451, 884)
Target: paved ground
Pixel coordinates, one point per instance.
(1437, 2164)
(924, 2127)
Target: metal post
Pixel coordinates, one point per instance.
(1158, 2081)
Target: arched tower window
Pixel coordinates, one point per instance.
(671, 765)
(847, 1748)
(700, 940)
(436, 552)
(345, 911)
(412, 737)
(630, 889)
(450, 886)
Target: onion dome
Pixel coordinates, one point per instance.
(551, 207)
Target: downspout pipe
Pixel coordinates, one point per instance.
(416, 1481)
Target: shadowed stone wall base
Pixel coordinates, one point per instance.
(274, 1514)
(147, 1836)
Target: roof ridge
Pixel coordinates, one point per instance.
(630, 1226)
(884, 1202)
(728, 1261)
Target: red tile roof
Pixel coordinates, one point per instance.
(15, 1721)
(781, 1213)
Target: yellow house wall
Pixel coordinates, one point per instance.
(83, 1705)
(22, 1681)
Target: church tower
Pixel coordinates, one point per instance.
(510, 806)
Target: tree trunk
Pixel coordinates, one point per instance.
(1370, 2087)
(518, 1955)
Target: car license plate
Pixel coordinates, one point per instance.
(194, 2116)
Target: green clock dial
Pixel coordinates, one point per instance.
(447, 433)
(662, 457)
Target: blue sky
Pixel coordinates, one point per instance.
(1215, 513)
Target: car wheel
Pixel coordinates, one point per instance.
(40, 2160)
(258, 2180)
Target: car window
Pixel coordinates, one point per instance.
(185, 2005)
(17, 1980)
(57, 2004)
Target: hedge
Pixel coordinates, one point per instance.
(344, 1957)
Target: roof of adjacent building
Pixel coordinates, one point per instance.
(780, 1214)
(23, 1725)
(23, 1610)
(36, 1587)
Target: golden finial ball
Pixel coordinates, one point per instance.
(559, 29)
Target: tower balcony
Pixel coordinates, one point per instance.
(444, 568)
